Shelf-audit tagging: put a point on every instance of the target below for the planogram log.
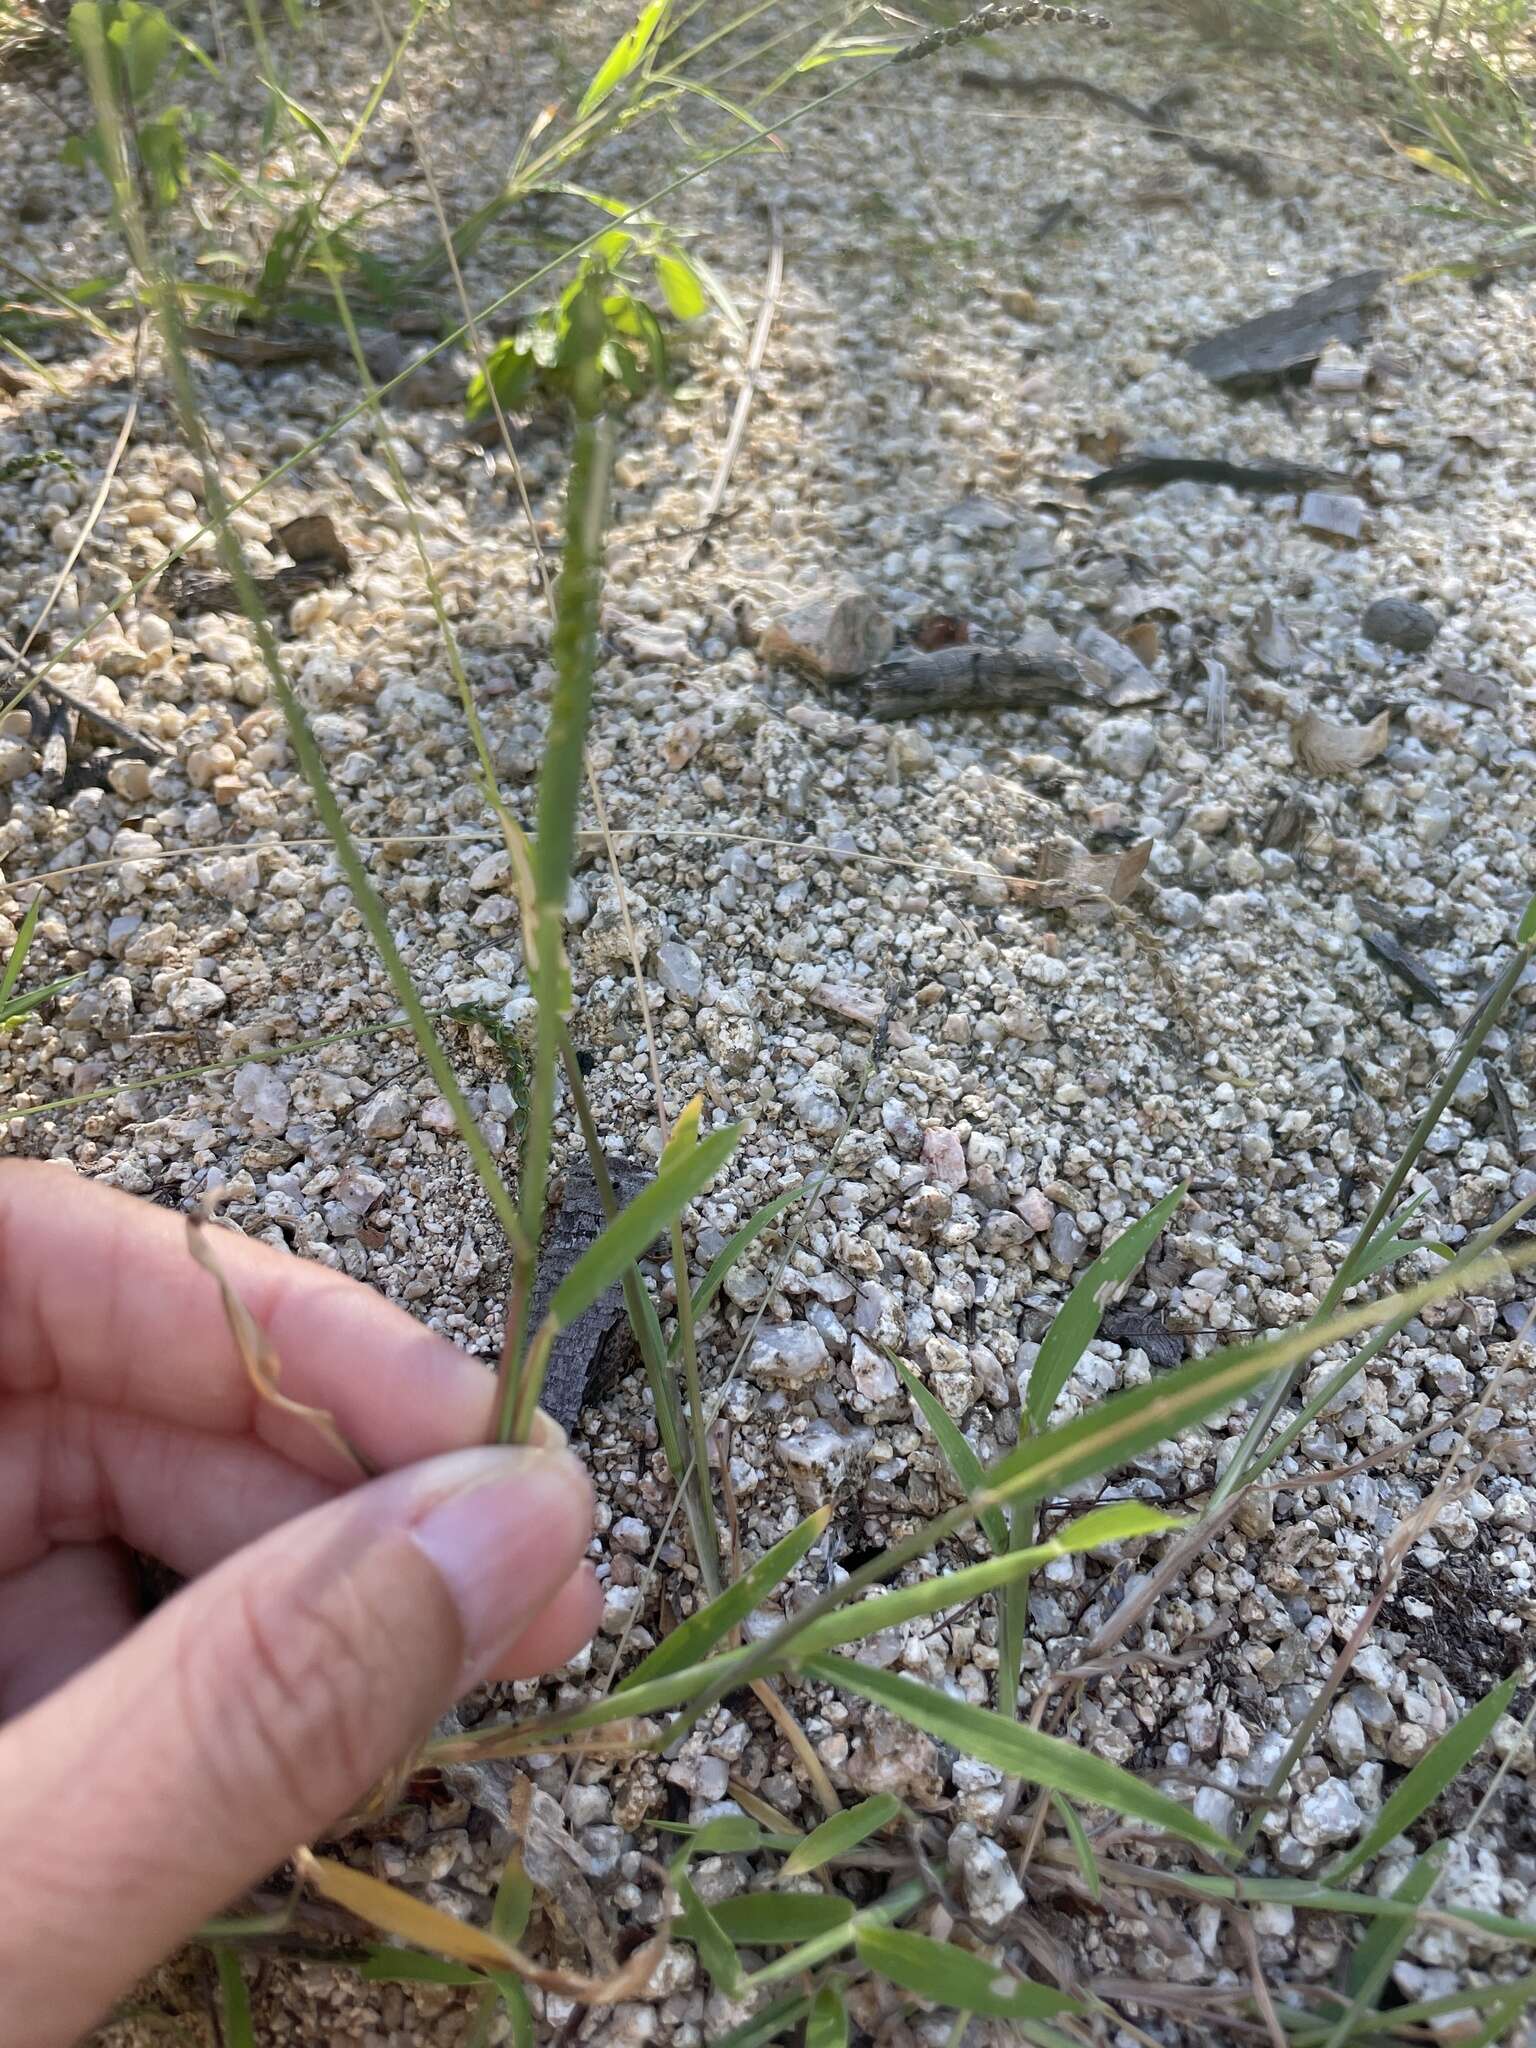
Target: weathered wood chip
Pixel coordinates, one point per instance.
(1327, 746)
(1291, 338)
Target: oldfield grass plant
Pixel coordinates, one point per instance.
(818, 1945)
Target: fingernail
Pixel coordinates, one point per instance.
(547, 1433)
(504, 1538)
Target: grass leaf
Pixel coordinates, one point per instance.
(958, 1455)
(411, 1966)
(1428, 1778)
(1022, 1752)
(16, 959)
(1381, 1944)
(680, 285)
(951, 1976)
(401, 1914)
(1076, 1323)
(622, 59)
(234, 2000)
(638, 1225)
(699, 1925)
(731, 1252)
(774, 2023)
(827, 2026)
(514, 1900)
(1082, 1848)
(692, 1640)
(844, 1831)
(780, 1919)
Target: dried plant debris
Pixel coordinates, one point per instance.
(1272, 646)
(1150, 472)
(1069, 877)
(256, 348)
(1117, 669)
(1408, 968)
(973, 679)
(1288, 342)
(1329, 746)
(319, 557)
(1161, 117)
(939, 629)
(1143, 1329)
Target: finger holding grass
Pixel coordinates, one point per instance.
(150, 1770)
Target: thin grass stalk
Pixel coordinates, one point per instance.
(703, 1486)
(165, 305)
(573, 649)
(642, 1320)
(1239, 1471)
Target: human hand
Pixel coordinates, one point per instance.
(150, 1770)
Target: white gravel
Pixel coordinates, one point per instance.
(789, 867)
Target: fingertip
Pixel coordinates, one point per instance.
(569, 1621)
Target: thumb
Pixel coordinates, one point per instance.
(257, 1706)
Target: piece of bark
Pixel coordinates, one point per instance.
(972, 679)
(1408, 968)
(591, 1355)
(256, 350)
(189, 591)
(312, 541)
(1143, 1329)
(1291, 338)
(1151, 472)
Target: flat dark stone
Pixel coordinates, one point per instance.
(1291, 338)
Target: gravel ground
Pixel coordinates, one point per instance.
(937, 384)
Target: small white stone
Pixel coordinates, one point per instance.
(1125, 747)
(384, 1115)
(789, 1353)
(1329, 1814)
(261, 1094)
(944, 1158)
(194, 998)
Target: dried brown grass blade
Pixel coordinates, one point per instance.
(263, 1367)
(411, 1919)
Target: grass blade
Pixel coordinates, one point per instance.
(1428, 1778)
(1022, 1752)
(844, 1831)
(1381, 1944)
(780, 1919)
(1082, 1848)
(774, 2023)
(958, 1455)
(623, 58)
(639, 1224)
(235, 2023)
(698, 1924)
(412, 1966)
(1076, 1323)
(827, 2026)
(691, 1641)
(952, 1977)
(810, 1953)
(727, 1257)
(17, 957)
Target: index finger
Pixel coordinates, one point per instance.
(100, 1301)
